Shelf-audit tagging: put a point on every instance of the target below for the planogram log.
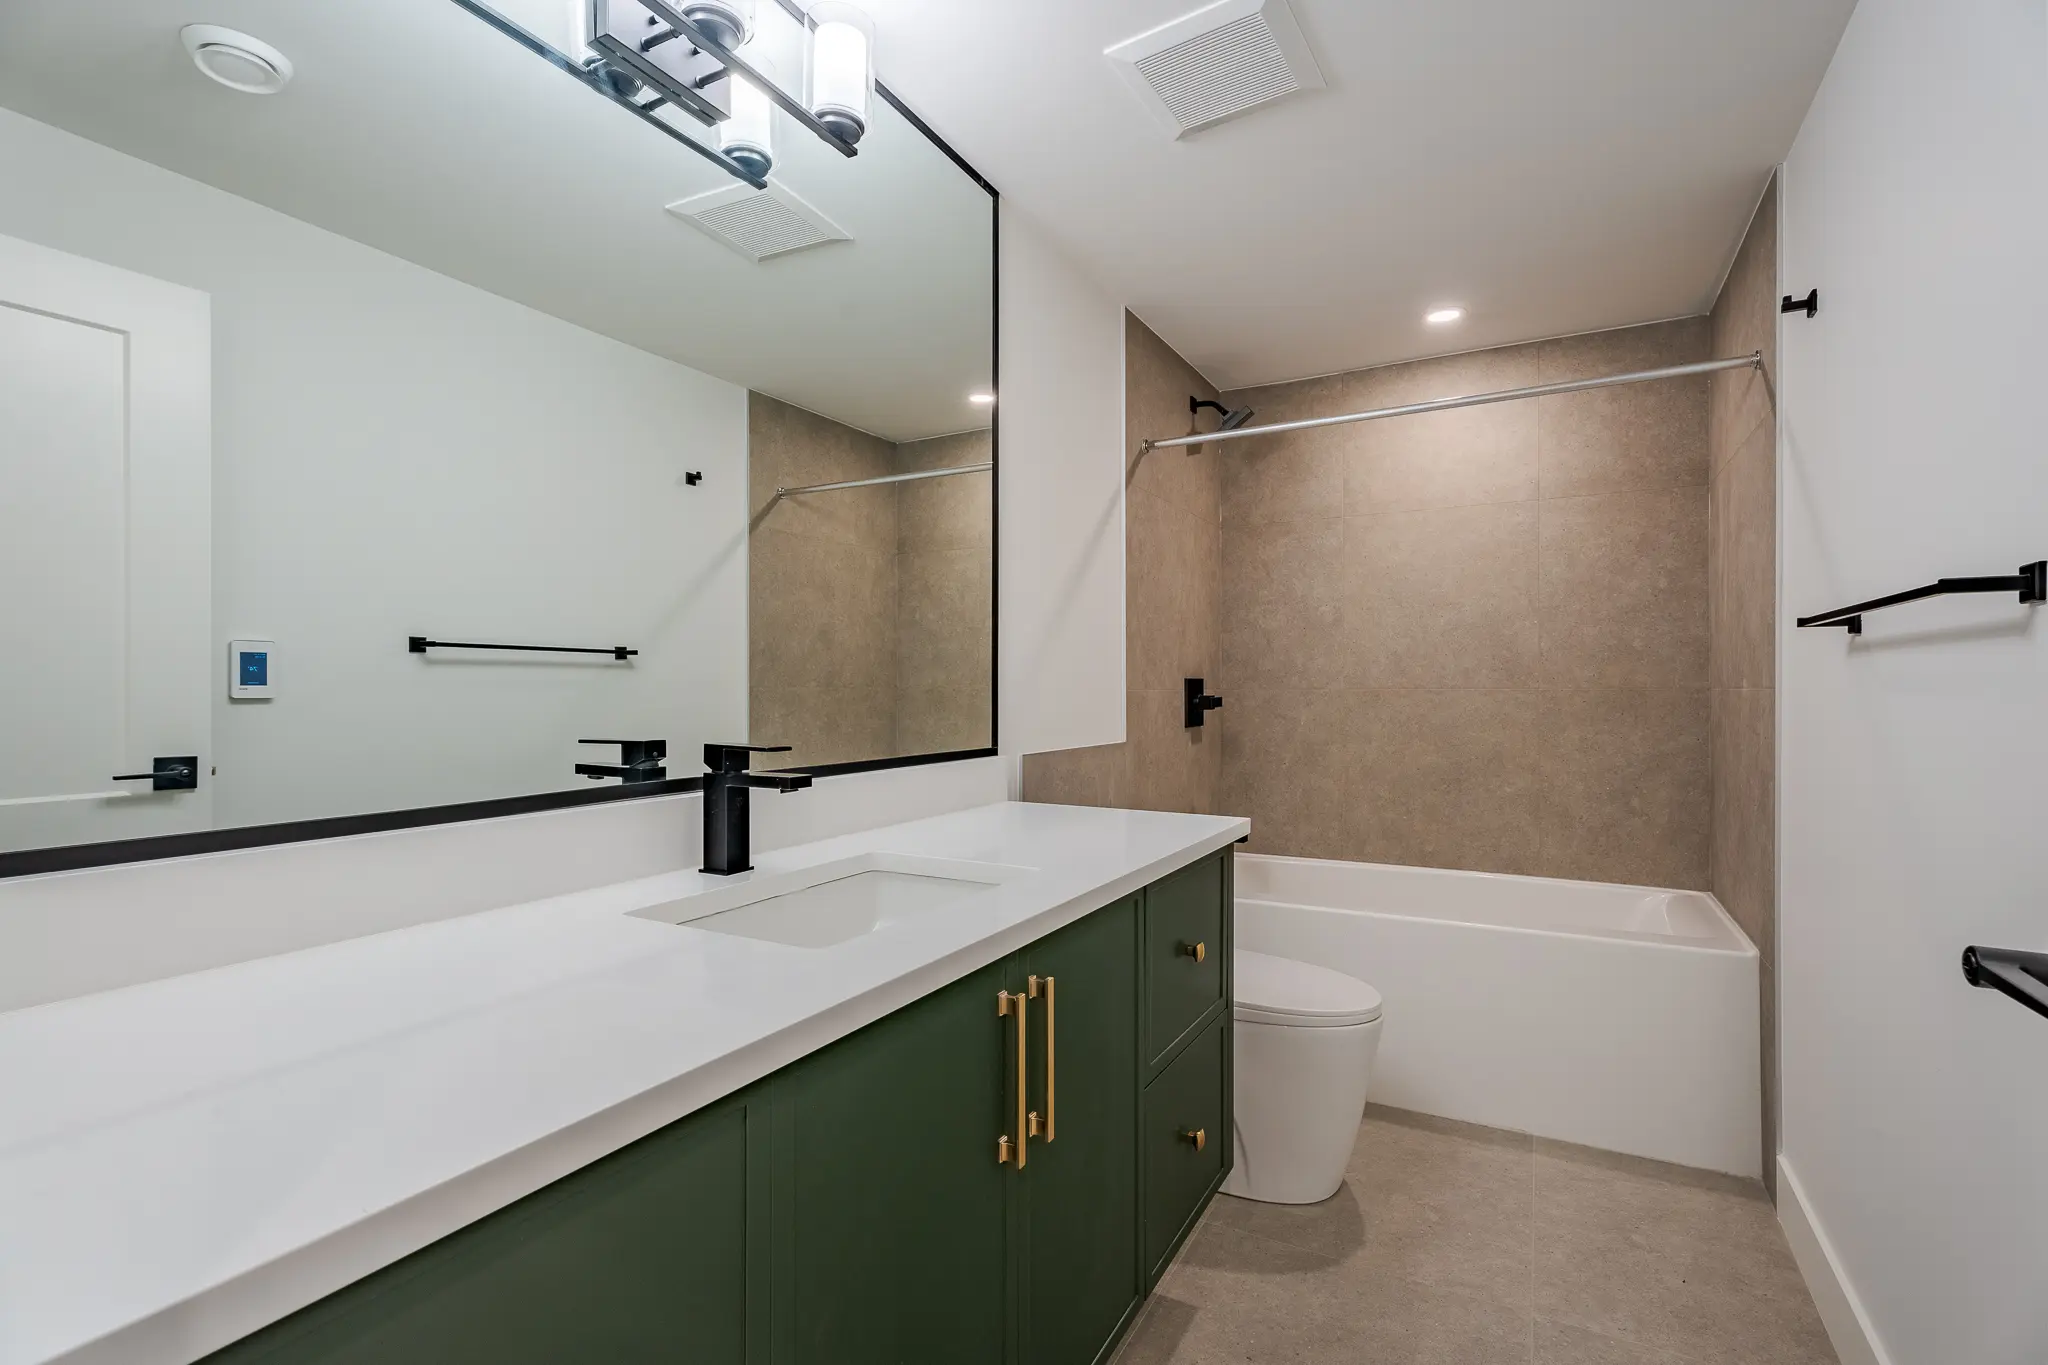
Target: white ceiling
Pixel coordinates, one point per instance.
(1556, 166)
(414, 128)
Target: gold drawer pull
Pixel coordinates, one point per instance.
(1034, 987)
(1198, 951)
(1198, 1136)
(1013, 1003)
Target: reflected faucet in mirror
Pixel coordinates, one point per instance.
(726, 784)
(640, 760)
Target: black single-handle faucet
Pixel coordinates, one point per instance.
(726, 847)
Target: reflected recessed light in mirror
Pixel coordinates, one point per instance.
(981, 398)
(1440, 316)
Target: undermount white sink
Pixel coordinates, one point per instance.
(817, 907)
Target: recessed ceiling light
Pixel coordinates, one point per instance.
(981, 398)
(236, 60)
(1440, 316)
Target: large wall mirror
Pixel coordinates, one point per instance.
(471, 410)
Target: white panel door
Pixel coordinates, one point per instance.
(105, 548)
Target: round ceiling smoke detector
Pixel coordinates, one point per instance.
(236, 60)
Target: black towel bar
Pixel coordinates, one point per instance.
(2021, 975)
(420, 644)
(2031, 583)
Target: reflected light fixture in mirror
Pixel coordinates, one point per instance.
(1444, 316)
(982, 398)
(237, 60)
(842, 69)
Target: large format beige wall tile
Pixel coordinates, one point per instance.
(1157, 386)
(953, 513)
(1626, 789)
(944, 634)
(1077, 777)
(1282, 604)
(1745, 320)
(1293, 476)
(1634, 436)
(788, 447)
(1624, 589)
(1441, 598)
(1173, 587)
(1453, 779)
(1170, 767)
(952, 717)
(821, 725)
(1742, 587)
(1291, 760)
(823, 625)
(1745, 854)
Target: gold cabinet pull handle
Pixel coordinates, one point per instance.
(1013, 1003)
(1198, 1136)
(1198, 951)
(1042, 986)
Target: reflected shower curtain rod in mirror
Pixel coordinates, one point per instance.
(950, 470)
(1753, 361)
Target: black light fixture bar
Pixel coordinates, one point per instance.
(596, 82)
(732, 61)
(2031, 583)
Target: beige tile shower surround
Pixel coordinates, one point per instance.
(1742, 582)
(869, 609)
(1477, 639)
(1173, 607)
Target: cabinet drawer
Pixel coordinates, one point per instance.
(1187, 1098)
(1184, 952)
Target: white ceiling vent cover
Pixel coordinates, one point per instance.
(759, 224)
(1223, 60)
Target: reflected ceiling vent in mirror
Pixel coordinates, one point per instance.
(759, 224)
(1223, 60)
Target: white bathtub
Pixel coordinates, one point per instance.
(1620, 1017)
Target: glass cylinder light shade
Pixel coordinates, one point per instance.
(730, 23)
(842, 68)
(748, 136)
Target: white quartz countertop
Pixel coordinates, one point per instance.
(186, 1160)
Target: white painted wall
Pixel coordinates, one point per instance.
(1913, 1179)
(398, 453)
(1061, 500)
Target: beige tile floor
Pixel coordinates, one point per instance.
(1461, 1245)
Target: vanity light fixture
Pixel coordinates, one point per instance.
(1442, 316)
(236, 60)
(707, 60)
(748, 134)
(842, 85)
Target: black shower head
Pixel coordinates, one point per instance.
(1233, 418)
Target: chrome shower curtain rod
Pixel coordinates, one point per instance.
(889, 478)
(1754, 360)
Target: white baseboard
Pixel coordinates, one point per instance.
(1841, 1311)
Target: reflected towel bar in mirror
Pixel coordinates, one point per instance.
(981, 468)
(2031, 583)
(420, 644)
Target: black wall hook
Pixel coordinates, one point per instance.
(1808, 305)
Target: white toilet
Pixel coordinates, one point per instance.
(1306, 1039)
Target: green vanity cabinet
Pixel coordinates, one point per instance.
(1077, 1252)
(889, 1205)
(658, 1252)
(867, 1202)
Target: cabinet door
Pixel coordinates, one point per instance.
(890, 1228)
(1079, 1188)
(658, 1253)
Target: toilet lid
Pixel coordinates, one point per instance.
(1279, 990)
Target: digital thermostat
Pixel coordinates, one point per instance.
(252, 670)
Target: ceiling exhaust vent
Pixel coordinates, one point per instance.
(1223, 60)
(759, 224)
